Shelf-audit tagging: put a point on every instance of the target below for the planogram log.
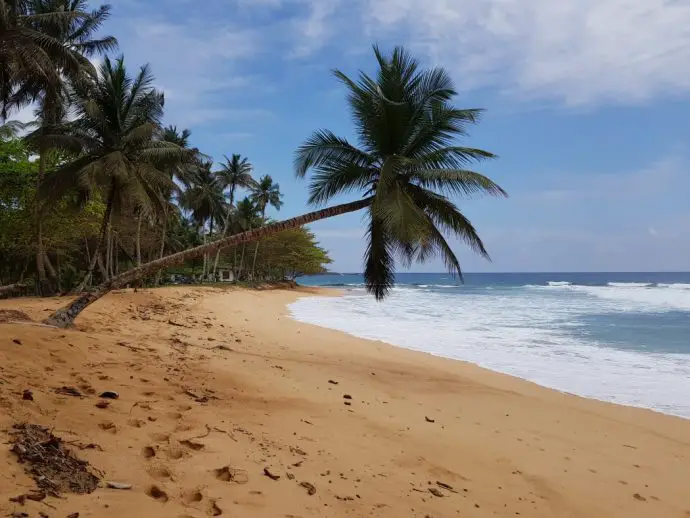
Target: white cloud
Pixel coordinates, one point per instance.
(576, 51)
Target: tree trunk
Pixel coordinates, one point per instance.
(244, 247)
(138, 243)
(101, 267)
(64, 317)
(256, 247)
(226, 227)
(42, 286)
(162, 249)
(101, 239)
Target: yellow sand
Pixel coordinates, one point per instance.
(274, 397)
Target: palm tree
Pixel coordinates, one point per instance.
(406, 163)
(265, 193)
(205, 199)
(29, 53)
(244, 218)
(114, 132)
(236, 172)
(180, 170)
(76, 33)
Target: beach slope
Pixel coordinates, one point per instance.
(227, 407)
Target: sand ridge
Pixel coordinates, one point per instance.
(227, 407)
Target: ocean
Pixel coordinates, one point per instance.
(618, 337)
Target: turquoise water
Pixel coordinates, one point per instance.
(621, 337)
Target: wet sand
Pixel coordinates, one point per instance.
(221, 393)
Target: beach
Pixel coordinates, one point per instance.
(229, 407)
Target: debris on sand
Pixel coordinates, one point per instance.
(27, 395)
(270, 474)
(68, 391)
(311, 489)
(429, 419)
(54, 468)
(118, 485)
(109, 394)
(436, 492)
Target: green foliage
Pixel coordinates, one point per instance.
(286, 255)
(407, 161)
(111, 188)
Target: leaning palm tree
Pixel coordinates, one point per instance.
(114, 131)
(205, 200)
(406, 164)
(236, 172)
(265, 193)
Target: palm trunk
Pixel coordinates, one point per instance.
(256, 247)
(244, 247)
(101, 239)
(138, 242)
(226, 227)
(162, 248)
(64, 317)
(42, 286)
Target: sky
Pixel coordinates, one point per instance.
(587, 106)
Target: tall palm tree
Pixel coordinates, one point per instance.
(244, 217)
(265, 193)
(406, 164)
(236, 172)
(76, 32)
(205, 199)
(114, 134)
(28, 53)
(178, 171)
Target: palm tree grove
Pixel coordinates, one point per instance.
(101, 191)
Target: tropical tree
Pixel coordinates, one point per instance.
(29, 54)
(205, 199)
(181, 170)
(244, 218)
(75, 31)
(405, 165)
(235, 172)
(265, 193)
(117, 117)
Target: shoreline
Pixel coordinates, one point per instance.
(275, 388)
(477, 363)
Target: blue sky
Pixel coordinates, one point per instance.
(587, 107)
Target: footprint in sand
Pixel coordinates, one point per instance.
(160, 472)
(148, 452)
(193, 496)
(213, 509)
(175, 452)
(228, 474)
(157, 494)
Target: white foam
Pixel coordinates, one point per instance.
(675, 286)
(629, 284)
(559, 283)
(517, 333)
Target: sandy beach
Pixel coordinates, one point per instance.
(228, 407)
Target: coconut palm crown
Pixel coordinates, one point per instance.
(406, 162)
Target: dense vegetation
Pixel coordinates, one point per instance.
(98, 192)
